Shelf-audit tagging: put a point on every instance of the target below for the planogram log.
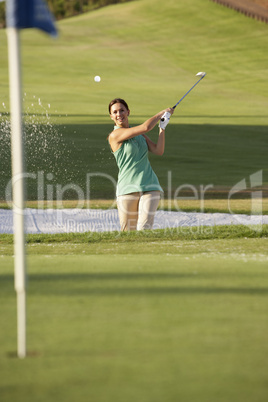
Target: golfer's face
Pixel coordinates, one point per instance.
(119, 114)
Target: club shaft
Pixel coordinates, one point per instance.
(187, 92)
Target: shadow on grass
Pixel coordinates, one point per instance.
(141, 116)
(195, 154)
(107, 284)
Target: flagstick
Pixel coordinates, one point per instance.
(17, 184)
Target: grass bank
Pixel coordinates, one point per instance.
(216, 137)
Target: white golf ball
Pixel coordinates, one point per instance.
(97, 78)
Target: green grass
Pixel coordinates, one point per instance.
(177, 315)
(196, 155)
(151, 59)
(218, 133)
(181, 240)
(147, 314)
(185, 326)
(178, 233)
(212, 205)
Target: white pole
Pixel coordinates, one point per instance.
(17, 184)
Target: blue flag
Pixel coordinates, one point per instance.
(30, 14)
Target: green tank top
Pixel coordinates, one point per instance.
(135, 172)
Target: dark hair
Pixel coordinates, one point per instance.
(118, 100)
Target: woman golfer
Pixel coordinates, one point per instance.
(138, 188)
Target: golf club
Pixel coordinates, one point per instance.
(200, 74)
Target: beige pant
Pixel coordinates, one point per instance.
(137, 210)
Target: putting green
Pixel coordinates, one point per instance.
(138, 327)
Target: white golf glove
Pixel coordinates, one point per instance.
(164, 120)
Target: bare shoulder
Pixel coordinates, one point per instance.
(113, 141)
(112, 137)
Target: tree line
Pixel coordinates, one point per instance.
(66, 8)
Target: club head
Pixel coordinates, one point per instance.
(201, 74)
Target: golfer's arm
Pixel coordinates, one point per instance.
(123, 134)
(159, 147)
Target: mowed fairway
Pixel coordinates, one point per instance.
(147, 317)
(150, 58)
(189, 324)
(154, 316)
(149, 55)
